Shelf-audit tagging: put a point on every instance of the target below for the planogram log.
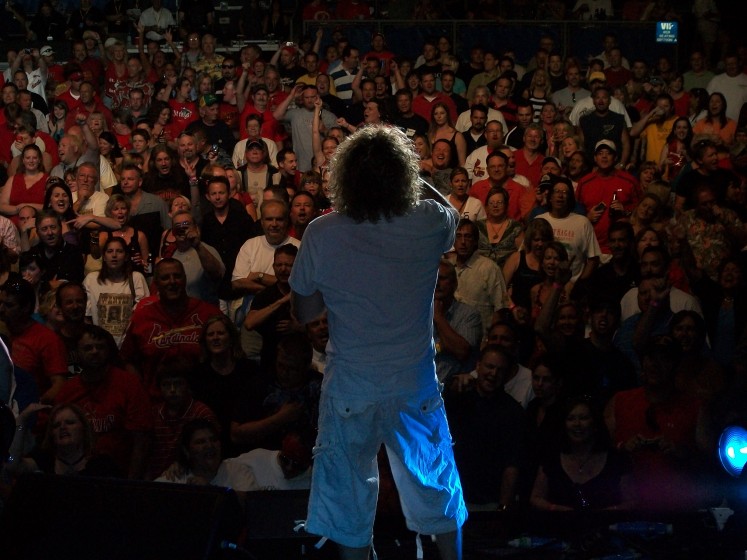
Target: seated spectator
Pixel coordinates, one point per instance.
(588, 474)
(288, 468)
(67, 448)
(114, 400)
(172, 415)
(200, 461)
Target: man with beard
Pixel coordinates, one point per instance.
(302, 211)
(165, 177)
(475, 137)
(604, 124)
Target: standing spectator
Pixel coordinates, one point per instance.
(39, 351)
(167, 326)
(114, 290)
(607, 193)
(732, 84)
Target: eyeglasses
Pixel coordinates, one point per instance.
(229, 66)
(573, 97)
(498, 203)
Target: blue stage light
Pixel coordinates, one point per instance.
(732, 450)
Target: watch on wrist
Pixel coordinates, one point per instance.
(260, 276)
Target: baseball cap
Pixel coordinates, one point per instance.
(553, 159)
(609, 144)
(252, 144)
(597, 76)
(46, 50)
(208, 99)
(259, 87)
(110, 42)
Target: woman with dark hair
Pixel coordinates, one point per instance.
(676, 153)
(225, 375)
(588, 474)
(140, 142)
(67, 448)
(376, 112)
(31, 270)
(56, 119)
(441, 128)
(27, 186)
(160, 115)
(200, 461)
(467, 206)
(114, 290)
(59, 200)
(110, 149)
(717, 125)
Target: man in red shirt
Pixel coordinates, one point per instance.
(520, 199)
(607, 193)
(167, 326)
(36, 349)
(423, 103)
(114, 401)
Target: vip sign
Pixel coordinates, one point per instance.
(667, 31)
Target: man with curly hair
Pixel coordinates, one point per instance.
(373, 263)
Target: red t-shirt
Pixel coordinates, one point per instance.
(41, 353)
(154, 334)
(116, 408)
(182, 113)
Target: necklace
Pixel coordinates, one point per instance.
(497, 233)
(582, 464)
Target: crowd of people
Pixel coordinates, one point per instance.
(588, 322)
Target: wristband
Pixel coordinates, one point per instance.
(558, 285)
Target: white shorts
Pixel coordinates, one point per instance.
(345, 480)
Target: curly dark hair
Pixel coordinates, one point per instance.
(374, 175)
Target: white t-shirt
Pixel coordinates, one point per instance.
(110, 304)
